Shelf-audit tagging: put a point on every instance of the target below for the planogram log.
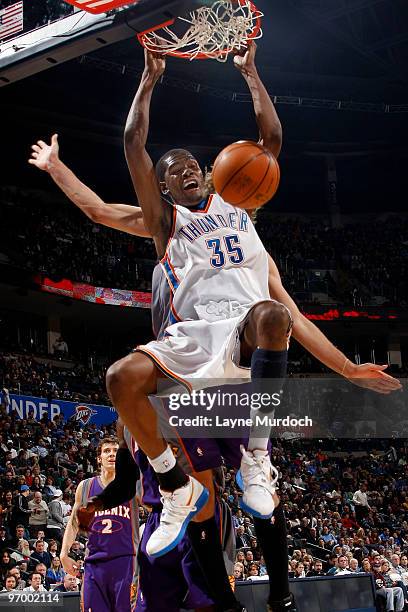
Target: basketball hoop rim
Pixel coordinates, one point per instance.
(201, 55)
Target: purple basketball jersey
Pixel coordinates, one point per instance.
(112, 533)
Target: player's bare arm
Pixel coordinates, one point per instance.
(270, 129)
(70, 534)
(368, 375)
(122, 217)
(157, 213)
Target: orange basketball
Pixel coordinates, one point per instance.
(246, 174)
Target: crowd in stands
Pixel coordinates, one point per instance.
(63, 243)
(357, 264)
(31, 375)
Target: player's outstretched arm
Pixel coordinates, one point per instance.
(70, 534)
(270, 129)
(157, 213)
(369, 375)
(122, 217)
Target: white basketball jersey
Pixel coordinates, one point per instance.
(215, 262)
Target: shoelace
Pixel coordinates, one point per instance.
(170, 509)
(264, 466)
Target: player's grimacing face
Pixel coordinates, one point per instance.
(184, 180)
(108, 456)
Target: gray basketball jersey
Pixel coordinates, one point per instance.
(160, 302)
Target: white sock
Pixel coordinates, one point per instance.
(254, 442)
(164, 462)
(258, 444)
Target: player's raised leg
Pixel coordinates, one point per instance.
(129, 382)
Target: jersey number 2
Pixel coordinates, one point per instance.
(108, 526)
(234, 252)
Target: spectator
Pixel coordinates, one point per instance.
(7, 508)
(15, 571)
(292, 568)
(36, 585)
(242, 539)
(256, 550)
(40, 568)
(41, 536)
(328, 537)
(300, 571)
(253, 572)
(334, 563)
(55, 525)
(396, 567)
(53, 548)
(39, 514)
(249, 558)
(22, 552)
(238, 518)
(249, 528)
(60, 348)
(393, 596)
(240, 557)
(391, 579)
(353, 566)
(262, 568)
(10, 584)
(6, 564)
(75, 551)
(4, 539)
(40, 555)
(70, 584)
(21, 510)
(19, 535)
(317, 569)
(55, 573)
(238, 571)
(361, 504)
(404, 563)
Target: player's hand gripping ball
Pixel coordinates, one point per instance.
(246, 174)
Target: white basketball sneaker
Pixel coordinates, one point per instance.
(257, 478)
(179, 507)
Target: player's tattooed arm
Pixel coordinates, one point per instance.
(70, 534)
(157, 213)
(270, 129)
(368, 375)
(122, 217)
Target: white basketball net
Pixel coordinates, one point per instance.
(214, 31)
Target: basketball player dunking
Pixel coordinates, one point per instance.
(110, 576)
(266, 326)
(210, 253)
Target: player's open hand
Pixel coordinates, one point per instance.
(44, 156)
(69, 565)
(372, 376)
(244, 59)
(155, 64)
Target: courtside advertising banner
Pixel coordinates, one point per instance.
(25, 406)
